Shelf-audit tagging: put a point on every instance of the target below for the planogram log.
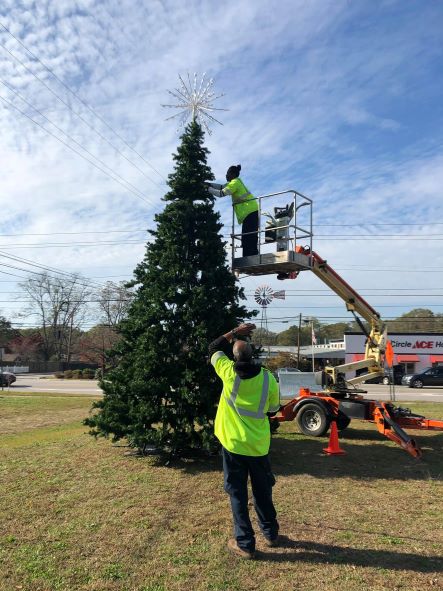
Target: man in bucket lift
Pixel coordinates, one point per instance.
(245, 207)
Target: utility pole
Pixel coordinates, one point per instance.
(68, 356)
(312, 344)
(310, 322)
(298, 341)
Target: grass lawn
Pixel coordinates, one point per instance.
(79, 514)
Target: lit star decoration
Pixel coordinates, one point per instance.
(195, 102)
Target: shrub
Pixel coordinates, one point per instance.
(68, 374)
(59, 374)
(88, 374)
(77, 374)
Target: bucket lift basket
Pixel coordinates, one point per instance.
(279, 234)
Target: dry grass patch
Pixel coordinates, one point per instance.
(77, 514)
(21, 411)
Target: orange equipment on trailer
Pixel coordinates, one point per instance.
(314, 412)
(340, 401)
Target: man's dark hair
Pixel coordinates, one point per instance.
(233, 172)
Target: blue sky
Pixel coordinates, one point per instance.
(340, 100)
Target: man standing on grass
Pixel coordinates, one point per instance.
(242, 427)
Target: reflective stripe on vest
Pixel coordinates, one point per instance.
(242, 198)
(261, 407)
(216, 356)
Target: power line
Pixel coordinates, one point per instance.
(73, 244)
(376, 224)
(139, 230)
(305, 307)
(306, 295)
(113, 173)
(366, 289)
(147, 240)
(333, 295)
(350, 319)
(74, 277)
(72, 301)
(82, 232)
(140, 196)
(104, 138)
(372, 235)
(394, 238)
(273, 321)
(83, 102)
(253, 306)
(82, 324)
(12, 274)
(38, 273)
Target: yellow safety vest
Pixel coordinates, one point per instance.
(241, 423)
(244, 202)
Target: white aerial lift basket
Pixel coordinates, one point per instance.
(279, 233)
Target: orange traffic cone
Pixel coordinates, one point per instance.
(333, 448)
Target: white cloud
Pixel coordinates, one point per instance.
(310, 88)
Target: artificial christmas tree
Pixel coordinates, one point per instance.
(163, 391)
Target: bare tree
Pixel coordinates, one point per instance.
(61, 305)
(114, 300)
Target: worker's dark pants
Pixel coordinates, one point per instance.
(249, 241)
(236, 470)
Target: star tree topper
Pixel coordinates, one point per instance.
(195, 101)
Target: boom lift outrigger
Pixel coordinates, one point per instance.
(339, 400)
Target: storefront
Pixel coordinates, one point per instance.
(414, 351)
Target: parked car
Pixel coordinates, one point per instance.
(432, 376)
(398, 373)
(7, 378)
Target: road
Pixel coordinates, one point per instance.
(38, 383)
(35, 383)
(404, 394)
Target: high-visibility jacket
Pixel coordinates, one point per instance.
(241, 423)
(244, 202)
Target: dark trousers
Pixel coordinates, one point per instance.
(236, 470)
(249, 241)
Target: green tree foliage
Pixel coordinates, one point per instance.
(330, 332)
(163, 392)
(7, 332)
(288, 336)
(263, 336)
(417, 320)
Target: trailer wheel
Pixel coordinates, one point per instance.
(342, 421)
(313, 420)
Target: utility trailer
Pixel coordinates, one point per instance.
(339, 400)
(314, 412)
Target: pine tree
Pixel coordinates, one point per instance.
(163, 391)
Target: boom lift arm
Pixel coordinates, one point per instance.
(339, 400)
(334, 377)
